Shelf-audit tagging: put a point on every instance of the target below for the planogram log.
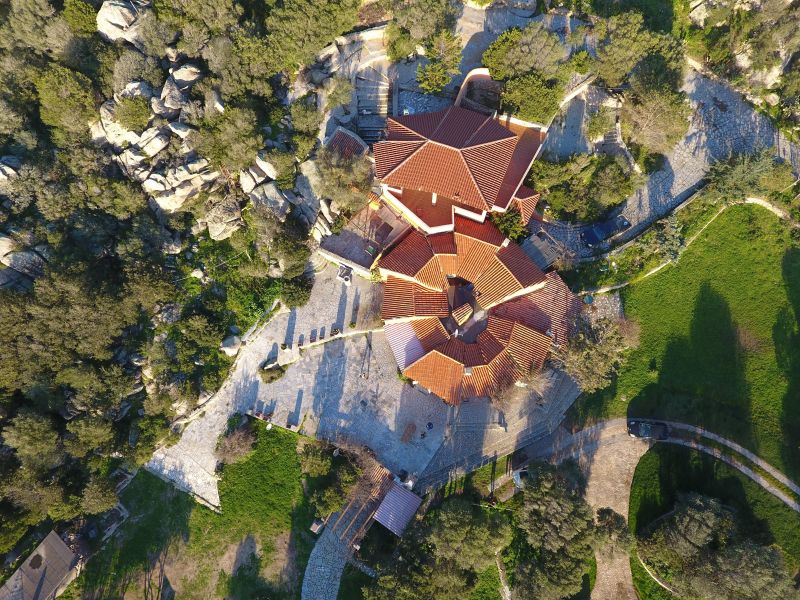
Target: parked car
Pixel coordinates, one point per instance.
(602, 231)
(648, 430)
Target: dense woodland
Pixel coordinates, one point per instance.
(100, 351)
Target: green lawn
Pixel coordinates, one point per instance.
(719, 345)
(667, 470)
(260, 497)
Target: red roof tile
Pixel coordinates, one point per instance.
(514, 341)
(456, 153)
(405, 299)
(409, 256)
(346, 143)
(484, 232)
(430, 332)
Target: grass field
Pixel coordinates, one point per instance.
(666, 470)
(172, 541)
(719, 346)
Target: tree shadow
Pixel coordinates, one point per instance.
(701, 377)
(786, 337)
(682, 470)
(160, 517)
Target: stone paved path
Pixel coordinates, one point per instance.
(346, 389)
(722, 122)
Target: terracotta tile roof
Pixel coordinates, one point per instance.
(430, 332)
(388, 155)
(409, 256)
(462, 313)
(484, 232)
(511, 272)
(456, 153)
(528, 347)
(431, 275)
(404, 299)
(474, 257)
(443, 243)
(552, 308)
(346, 143)
(525, 201)
(514, 341)
(440, 374)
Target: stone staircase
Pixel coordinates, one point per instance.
(373, 91)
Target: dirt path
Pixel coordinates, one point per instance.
(608, 457)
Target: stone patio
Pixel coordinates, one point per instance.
(344, 389)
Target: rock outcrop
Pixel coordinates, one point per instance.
(119, 20)
(270, 196)
(231, 345)
(223, 219)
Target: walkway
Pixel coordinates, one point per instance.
(346, 389)
(723, 122)
(608, 456)
(343, 530)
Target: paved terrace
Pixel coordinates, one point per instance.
(344, 389)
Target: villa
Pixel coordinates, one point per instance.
(467, 313)
(434, 166)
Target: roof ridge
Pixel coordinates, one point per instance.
(488, 120)
(474, 133)
(440, 123)
(407, 128)
(472, 177)
(407, 158)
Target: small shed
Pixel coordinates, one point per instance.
(44, 574)
(397, 508)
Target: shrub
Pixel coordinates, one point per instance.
(510, 224)
(230, 140)
(80, 16)
(341, 92)
(272, 374)
(345, 180)
(519, 52)
(399, 43)
(444, 52)
(235, 445)
(66, 101)
(495, 58)
(656, 118)
(296, 292)
(532, 98)
(305, 116)
(133, 113)
(594, 354)
(599, 123)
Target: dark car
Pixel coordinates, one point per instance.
(602, 231)
(648, 430)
